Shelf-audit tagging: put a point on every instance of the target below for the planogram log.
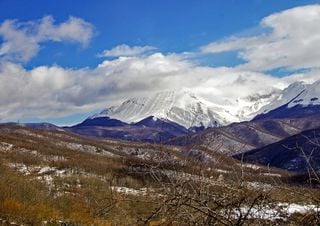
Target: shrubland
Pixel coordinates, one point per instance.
(57, 178)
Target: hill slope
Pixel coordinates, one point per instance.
(245, 136)
(300, 152)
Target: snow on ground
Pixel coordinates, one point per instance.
(259, 186)
(24, 169)
(271, 174)
(222, 171)
(292, 208)
(271, 211)
(6, 222)
(46, 174)
(48, 169)
(278, 211)
(39, 170)
(5, 146)
(131, 191)
(251, 166)
(256, 167)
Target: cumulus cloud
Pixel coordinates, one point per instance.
(47, 92)
(51, 92)
(293, 41)
(22, 39)
(125, 50)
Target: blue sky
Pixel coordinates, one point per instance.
(171, 27)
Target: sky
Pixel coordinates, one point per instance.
(61, 61)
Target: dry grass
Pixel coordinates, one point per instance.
(77, 188)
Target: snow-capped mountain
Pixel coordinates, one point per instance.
(187, 109)
(297, 100)
(183, 108)
(167, 115)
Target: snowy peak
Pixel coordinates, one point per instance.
(296, 101)
(189, 110)
(182, 107)
(136, 109)
(284, 97)
(308, 96)
(296, 94)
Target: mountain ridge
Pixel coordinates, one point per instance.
(189, 110)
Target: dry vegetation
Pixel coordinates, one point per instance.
(55, 178)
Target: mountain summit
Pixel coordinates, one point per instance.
(190, 110)
(183, 108)
(296, 101)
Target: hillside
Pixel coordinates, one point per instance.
(83, 180)
(245, 136)
(300, 152)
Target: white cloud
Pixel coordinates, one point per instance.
(22, 39)
(51, 92)
(73, 30)
(125, 50)
(47, 92)
(293, 41)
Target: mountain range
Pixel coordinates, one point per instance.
(256, 127)
(190, 110)
(166, 115)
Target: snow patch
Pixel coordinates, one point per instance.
(278, 211)
(259, 186)
(131, 191)
(5, 146)
(271, 174)
(251, 166)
